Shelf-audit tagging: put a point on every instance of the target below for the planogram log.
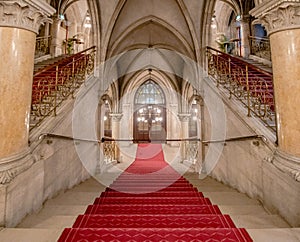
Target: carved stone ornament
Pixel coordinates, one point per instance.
(12, 166)
(184, 117)
(25, 14)
(287, 164)
(116, 117)
(278, 15)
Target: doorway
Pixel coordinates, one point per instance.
(150, 113)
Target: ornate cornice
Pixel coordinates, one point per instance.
(25, 14)
(12, 166)
(288, 164)
(277, 15)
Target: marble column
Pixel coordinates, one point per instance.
(19, 24)
(184, 119)
(282, 22)
(245, 33)
(56, 45)
(115, 129)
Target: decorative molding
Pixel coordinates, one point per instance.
(277, 15)
(288, 164)
(25, 14)
(12, 166)
(184, 117)
(116, 117)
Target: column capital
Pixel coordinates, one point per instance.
(25, 14)
(116, 117)
(278, 15)
(184, 117)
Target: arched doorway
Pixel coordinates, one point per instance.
(149, 113)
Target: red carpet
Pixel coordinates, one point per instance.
(150, 201)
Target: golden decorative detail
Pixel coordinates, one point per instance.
(42, 46)
(109, 151)
(56, 83)
(260, 47)
(248, 84)
(191, 152)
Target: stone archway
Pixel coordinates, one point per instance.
(149, 121)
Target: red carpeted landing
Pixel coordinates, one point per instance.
(150, 201)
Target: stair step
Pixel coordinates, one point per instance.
(153, 221)
(275, 235)
(29, 235)
(151, 200)
(259, 221)
(155, 234)
(150, 189)
(153, 194)
(152, 209)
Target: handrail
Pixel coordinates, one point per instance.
(42, 46)
(249, 84)
(241, 60)
(260, 47)
(261, 38)
(239, 138)
(56, 82)
(58, 136)
(62, 61)
(106, 139)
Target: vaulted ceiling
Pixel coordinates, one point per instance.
(178, 26)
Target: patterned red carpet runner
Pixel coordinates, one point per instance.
(150, 201)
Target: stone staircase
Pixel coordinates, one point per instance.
(61, 212)
(42, 64)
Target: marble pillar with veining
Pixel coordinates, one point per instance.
(282, 23)
(19, 24)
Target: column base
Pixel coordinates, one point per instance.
(12, 166)
(288, 164)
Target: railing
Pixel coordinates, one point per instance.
(191, 145)
(42, 46)
(260, 47)
(191, 151)
(250, 85)
(109, 152)
(55, 83)
(109, 147)
(193, 139)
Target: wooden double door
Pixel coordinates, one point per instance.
(149, 123)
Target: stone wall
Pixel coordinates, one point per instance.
(57, 165)
(247, 165)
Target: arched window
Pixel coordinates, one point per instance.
(149, 93)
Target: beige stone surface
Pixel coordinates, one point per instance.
(285, 46)
(16, 71)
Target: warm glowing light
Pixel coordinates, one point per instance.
(87, 25)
